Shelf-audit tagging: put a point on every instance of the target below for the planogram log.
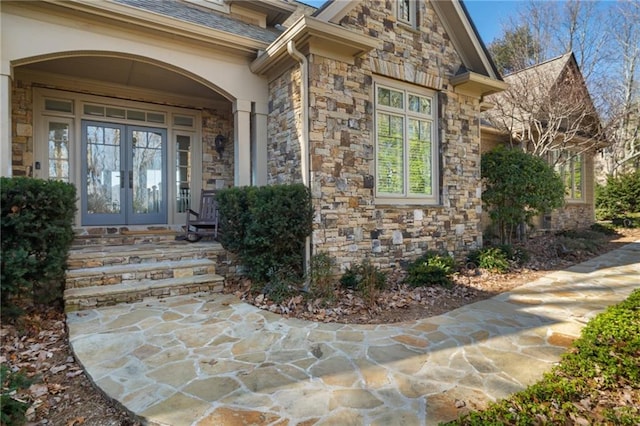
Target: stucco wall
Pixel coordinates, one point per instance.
(348, 222)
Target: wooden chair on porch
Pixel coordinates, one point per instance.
(204, 223)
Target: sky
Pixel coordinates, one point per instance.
(487, 15)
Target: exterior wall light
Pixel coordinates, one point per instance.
(219, 144)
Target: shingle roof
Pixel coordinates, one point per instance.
(191, 13)
(550, 69)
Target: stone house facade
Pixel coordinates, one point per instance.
(373, 104)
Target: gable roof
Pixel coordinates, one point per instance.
(554, 87)
(541, 79)
(552, 67)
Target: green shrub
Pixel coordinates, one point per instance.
(37, 232)
(493, 259)
(518, 186)
(266, 227)
(619, 196)
(13, 410)
(432, 268)
(322, 280)
(366, 279)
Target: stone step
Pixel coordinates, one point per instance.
(99, 256)
(120, 238)
(96, 296)
(133, 272)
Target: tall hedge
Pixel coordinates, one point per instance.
(266, 227)
(37, 231)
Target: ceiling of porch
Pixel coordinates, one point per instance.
(128, 73)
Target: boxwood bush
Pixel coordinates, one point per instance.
(266, 227)
(37, 231)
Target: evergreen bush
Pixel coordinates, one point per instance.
(37, 232)
(518, 186)
(266, 227)
(619, 197)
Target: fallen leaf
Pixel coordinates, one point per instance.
(37, 390)
(75, 422)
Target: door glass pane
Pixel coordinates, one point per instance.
(419, 157)
(59, 151)
(58, 105)
(390, 154)
(103, 169)
(183, 173)
(146, 175)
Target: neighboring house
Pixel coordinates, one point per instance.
(143, 103)
(548, 112)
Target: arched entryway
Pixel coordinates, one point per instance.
(136, 137)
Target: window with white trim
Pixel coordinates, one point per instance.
(407, 12)
(406, 143)
(570, 167)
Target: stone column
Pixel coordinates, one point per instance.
(242, 143)
(5, 125)
(260, 138)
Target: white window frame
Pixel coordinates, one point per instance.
(413, 12)
(406, 197)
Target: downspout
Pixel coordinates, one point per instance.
(304, 142)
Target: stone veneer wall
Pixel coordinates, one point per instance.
(348, 223)
(283, 129)
(21, 128)
(217, 171)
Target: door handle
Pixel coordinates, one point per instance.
(121, 179)
(130, 179)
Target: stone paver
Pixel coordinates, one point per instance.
(214, 360)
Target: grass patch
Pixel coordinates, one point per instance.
(597, 381)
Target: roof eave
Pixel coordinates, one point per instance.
(312, 35)
(474, 84)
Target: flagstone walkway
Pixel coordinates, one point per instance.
(214, 360)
